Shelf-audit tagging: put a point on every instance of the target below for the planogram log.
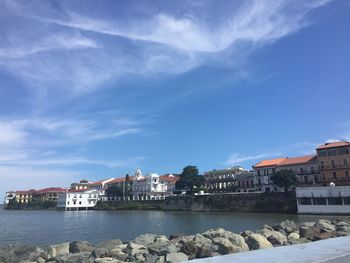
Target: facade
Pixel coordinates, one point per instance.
(98, 185)
(48, 194)
(169, 180)
(245, 182)
(82, 185)
(75, 200)
(323, 200)
(9, 196)
(148, 187)
(263, 172)
(25, 196)
(305, 167)
(222, 180)
(334, 163)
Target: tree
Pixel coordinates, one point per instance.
(189, 179)
(114, 191)
(284, 179)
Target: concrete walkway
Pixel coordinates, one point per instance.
(334, 250)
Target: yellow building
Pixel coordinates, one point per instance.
(334, 162)
(25, 196)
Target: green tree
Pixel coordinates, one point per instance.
(114, 191)
(189, 179)
(284, 179)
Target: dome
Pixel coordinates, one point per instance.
(138, 173)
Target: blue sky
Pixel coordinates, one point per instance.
(97, 89)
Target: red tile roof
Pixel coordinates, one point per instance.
(51, 190)
(169, 178)
(333, 144)
(298, 160)
(120, 179)
(267, 163)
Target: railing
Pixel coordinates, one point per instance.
(332, 167)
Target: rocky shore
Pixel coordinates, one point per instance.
(150, 248)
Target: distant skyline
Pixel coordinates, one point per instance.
(97, 89)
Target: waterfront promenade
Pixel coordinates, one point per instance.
(335, 250)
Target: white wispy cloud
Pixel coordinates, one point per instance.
(158, 43)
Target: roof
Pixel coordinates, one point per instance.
(26, 191)
(267, 163)
(298, 160)
(52, 190)
(101, 181)
(333, 144)
(169, 178)
(120, 179)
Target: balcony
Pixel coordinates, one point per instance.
(331, 167)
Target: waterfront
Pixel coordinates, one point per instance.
(52, 227)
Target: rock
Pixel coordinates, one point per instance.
(132, 249)
(293, 235)
(160, 247)
(325, 226)
(225, 246)
(139, 257)
(117, 253)
(202, 240)
(307, 224)
(267, 227)
(149, 258)
(82, 257)
(206, 251)
(313, 233)
(299, 241)
(107, 260)
(257, 241)
(101, 252)
(288, 226)
(109, 244)
(246, 233)
(80, 246)
(176, 257)
(343, 228)
(235, 239)
(190, 249)
(57, 250)
(145, 239)
(277, 239)
(14, 253)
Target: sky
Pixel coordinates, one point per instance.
(97, 89)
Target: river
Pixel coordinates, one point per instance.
(52, 227)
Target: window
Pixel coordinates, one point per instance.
(346, 200)
(347, 175)
(323, 176)
(332, 152)
(343, 151)
(322, 164)
(320, 201)
(312, 170)
(322, 153)
(335, 175)
(306, 180)
(334, 201)
(74, 203)
(79, 202)
(304, 200)
(345, 162)
(316, 178)
(302, 170)
(333, 163)
(68, 203)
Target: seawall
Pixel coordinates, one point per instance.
(129, 205)
(244, 202)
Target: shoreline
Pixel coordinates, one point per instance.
(152, 248)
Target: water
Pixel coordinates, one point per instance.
(52, 227)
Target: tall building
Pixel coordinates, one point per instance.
(334, 162)
(223, 180)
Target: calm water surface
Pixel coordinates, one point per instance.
(51, 227)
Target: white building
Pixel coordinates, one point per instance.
(11, 195)
(148, 187)
(323, 200)
(78, 199)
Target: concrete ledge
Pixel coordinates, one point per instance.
(334, 250)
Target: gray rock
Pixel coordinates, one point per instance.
(202, 240)
(246, 233)
(57, 250)
(149, 258)
(139, 257)
(235, 239)
(343, 228)
(225, 246)
(145, 239)
(299, 241)
(190, 249)
(109, 244)
(325, 226)
(13, 253)
(176, 257)
(82, 257)
(288, 226)
(207, 251)
(293, 235)
(160, 247)
(132, 249)
(107, 260)
(257, 241)
(101, 252)
(80, 246)
(313, 233)
(117, 253)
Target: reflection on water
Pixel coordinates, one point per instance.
(50, 227)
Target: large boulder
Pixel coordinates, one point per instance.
(190, 249)
(146, 239)
(293, 235)
(83, 257)
(325, 226)
(13, 253)
(80, 246)
(275, 237)
(257, 241)
(176, 257)
(235, 239)
(202, 240)
(57, 250)
(110, 244)
(160, 247)
(313, 233)
(132, 249)
(117, 253)
(107, 260)
(287, 226)
(225, 246)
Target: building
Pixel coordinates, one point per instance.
(334, 162)
(323, 200)
(9, 196)
(148, 187)
(263, 171)
(82, 185)
(75, 200)
(304, 167)
(245, 182)
(25, 196)
(48, 194)
(222, 180)
(170, 181)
